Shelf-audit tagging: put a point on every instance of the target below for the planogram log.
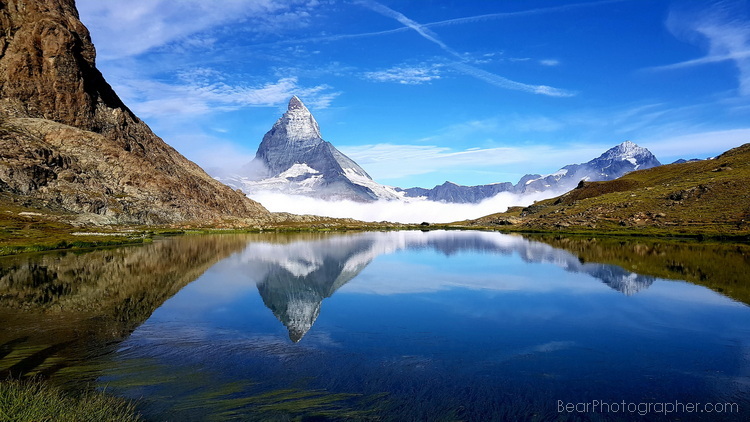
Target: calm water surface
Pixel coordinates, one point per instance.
(389, 326)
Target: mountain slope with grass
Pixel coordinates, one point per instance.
(710, 197)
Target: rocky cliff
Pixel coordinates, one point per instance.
(67, 140)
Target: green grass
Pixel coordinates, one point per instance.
(709, 198)
(33, 228)
(37, 401)
(27, 226)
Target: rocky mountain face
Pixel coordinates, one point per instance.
(293, 158)
(67, 140)
(452, 192)
(92, 300)
(614, 163)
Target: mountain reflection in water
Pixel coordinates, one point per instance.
(115, 290)
(61, 308)
(294, 278)
(474, 325)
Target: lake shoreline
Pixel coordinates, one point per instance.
(99, 237)
(136, 322)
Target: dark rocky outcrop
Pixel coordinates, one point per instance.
(68, 140)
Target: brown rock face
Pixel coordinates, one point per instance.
(68, 139)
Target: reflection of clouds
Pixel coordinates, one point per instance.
(553, 346)
(409, 277)
(686, 292)
(402, 273)
(526, 352)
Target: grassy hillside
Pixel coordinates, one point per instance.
(703, 198)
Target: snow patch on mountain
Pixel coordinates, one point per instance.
(380, 191)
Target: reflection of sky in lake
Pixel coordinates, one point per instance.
(483, 310)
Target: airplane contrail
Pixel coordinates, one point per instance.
(461, 65)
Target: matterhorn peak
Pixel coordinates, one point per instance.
(295, 133)
(294, 158)
(628, 145)
(296, 104)
(298, 123)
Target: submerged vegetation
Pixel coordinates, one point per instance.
(34, 400)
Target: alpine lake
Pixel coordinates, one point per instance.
(407, 326)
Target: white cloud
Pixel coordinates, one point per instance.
(386, 161)
(530, 12)
(493, 146)
(549, 62)
(461, 65)
(406, 75)
(503, 82)
(202, 92)
(217, 156)
(420, 29)
(700, 144)
(726, 27)
(129, 28)
(415, 211)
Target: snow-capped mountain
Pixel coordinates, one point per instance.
(293, 158)
(614, 163)
(452, 192)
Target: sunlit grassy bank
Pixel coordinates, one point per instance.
(37, 401)
(708, 198)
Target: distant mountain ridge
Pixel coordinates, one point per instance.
(705, 197)
(613, 163)
(293, 158)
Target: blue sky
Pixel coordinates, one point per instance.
(419, 92)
